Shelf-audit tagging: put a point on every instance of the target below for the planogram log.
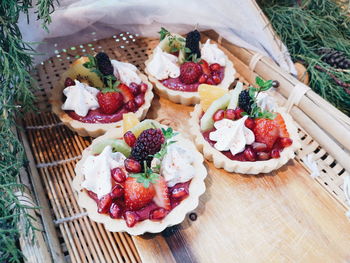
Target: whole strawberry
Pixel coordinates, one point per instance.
(136, 194)
(190, 72)
(266, 131)
(109, 102)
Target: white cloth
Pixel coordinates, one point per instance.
(74, 21)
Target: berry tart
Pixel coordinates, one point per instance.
(143, 180)
(94, 93)
(243, 130)
(179, 65)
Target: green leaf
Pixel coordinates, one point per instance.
(163, 33)
(259, 81)
(187, 50)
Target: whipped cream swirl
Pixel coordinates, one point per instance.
(126, 72)
(212, 54)
(266, 102)
(163, 65)
(80, 98)
(231, 135)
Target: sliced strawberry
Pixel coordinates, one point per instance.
(162, 194)
(137, 195)
(266, 131)
(109, 102)
(205, 67)
(126, 92)
(282, 126)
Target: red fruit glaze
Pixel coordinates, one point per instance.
(129, 138)
(118, 175)
(135, 89)
(230, 114)
(131, 105)
(69, 82)
(285, 142)
(249, 123)
(143, 87)
(275, 153)
(131, 218)
(139, 100)
(104, 203)
(158, 214)
(215, 67)
(219, 115)
(132, 165)
(238, 113)
(262, 156)
(190, 72)
(203, 79)
(249, 154)
(117, 191)
(179, 193)
(115, 211)
(109, 102)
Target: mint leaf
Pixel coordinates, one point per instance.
(163, 33)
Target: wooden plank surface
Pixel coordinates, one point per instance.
(284, 216)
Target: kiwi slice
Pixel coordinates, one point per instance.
(207, 121)
(117, 146)
(172, 41)
(144, 125)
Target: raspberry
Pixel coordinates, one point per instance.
(148, 143)
(104, 64)
(245, 101)
(190, 72)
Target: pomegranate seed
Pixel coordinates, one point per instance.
(230, 114)
(249, 154)
(203, 78)
(131, 218)
(69, 82)
(238, 113)
(262, 156)
(216, 79)
(259, 147)
(132, 165)
(285, 142)
(249, 123)
(118, 175)
(104, 203)
(135, 89)
(179, 193)
(158, 214)
(115, 211)
(219, 115)
(129, 138)
(131, 105)
(139, 100)
(117, 191)
(93, 195)
(215, 67)
(210, 81)
(143, 87)
(275, 153)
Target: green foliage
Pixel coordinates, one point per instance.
(147, 177)
(15, 97)
(307, 25)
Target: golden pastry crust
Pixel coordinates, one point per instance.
(176, 216)
(221, 161)
(94, 129)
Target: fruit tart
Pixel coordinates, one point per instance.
(243, 130)
(94, 93)
(141, 181)
(179, 65)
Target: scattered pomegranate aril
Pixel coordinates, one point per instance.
(210, 81)
(132, 165)
(117, 191)
(219, 115)
(69, 82)
(259, 146)
(135, 89)
(216, 79)
(143, 87)
(129, 138)
(131, 218)
(285, 142)
(249, 154)
(179, 193)
(131, 105)
(203, 78)
(238, 113)
(275, 153)
(118, 175)
(104, 203)
(215, 67)
(158, 214)
(139, 100)
(249, 123)
(115, 211)
(262, 156)
(230, 114)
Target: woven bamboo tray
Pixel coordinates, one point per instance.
(284, 217)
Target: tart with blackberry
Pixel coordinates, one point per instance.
(179, 65)
(243, 131)
(94, 93)
(142, 179)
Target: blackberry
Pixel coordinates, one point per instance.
(192, 42)
(334, 58)
(148, 143)
(245, 101)
(104, 64)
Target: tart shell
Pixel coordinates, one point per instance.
(176, 216)
(221, 161)
(93, 129)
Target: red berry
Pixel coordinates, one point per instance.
(203, 78)
(93, 195)
(104, 203)
(190, 72)
(130, 138)
(131, 218)
(249, 123)
(275, 153)
(117, 191)
(126, 92)
(285, 142)
(259, 147)
(132, 166)
(69, 82)
(216, 79)
(162, 194)
(262, 156)
(219, 115)
(118, 175)
(210, 81)
(249, 154)
(109, 102)
(115, 211)
(139, 100)
(158, 214)
(266, 131)
(135, 89)
(215, 67)
(131, 105)
(238, 113)
(136, 195)
(205, 67)
(179, 193)
(143, 87)
(230, 114)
